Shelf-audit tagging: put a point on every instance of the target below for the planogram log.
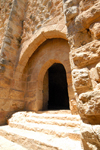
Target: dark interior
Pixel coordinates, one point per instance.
(58, 93)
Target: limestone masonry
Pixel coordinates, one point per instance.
(43, 41)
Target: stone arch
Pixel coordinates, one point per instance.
(51, 51)
(30, 46)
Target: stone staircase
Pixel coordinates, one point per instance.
(48, 130)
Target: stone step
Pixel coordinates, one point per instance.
(57, 131)
(6, 144)
(35, 140)
(66, 123)
(21, 115)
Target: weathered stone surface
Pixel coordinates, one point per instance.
(81, 80)
(84, 5)
(4, 93)
(86, 55)
(98, 68)
(70, 3)
(83, 37)
(71, 12)
(94, 78)
(11, 99)
(89, 103)
(90, 135)
(87, 17)
(5, 8)
(15, 94)
(43, 13)
(95, 30)
(80, 39)
(98, 72)
(73, 106)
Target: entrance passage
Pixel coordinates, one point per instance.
(58, 93)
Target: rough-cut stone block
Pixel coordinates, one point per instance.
(31, 94)
(89, 103)
(30, 104)
(73, 107)
(70, 3)
(16, 95)
(71, 12)
(98, 71)
(94, 74)
(90, 135)
(2, 117)
(98, 68)
(81, 80)
(18, 85)
(9, 48)
(86, 18)
(84, 5)
(4, 92)
(5, 82)
(78, 39)
(87, 54)
(16, 105)
(95, 30)
(70, 92)
(11, 105)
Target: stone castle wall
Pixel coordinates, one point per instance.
(8, 58)
(83, 32)
(41, 13)
(82, 19)
(26, 30)
(5, 8)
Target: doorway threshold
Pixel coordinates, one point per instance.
(55, 111)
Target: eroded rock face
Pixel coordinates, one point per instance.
(90, 135)
(89, 103)
(81, 80)
(85, 55)
(83, 33)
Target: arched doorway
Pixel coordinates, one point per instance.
(55, 92)
(49, 54)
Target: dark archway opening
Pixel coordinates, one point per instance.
(58, 92)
